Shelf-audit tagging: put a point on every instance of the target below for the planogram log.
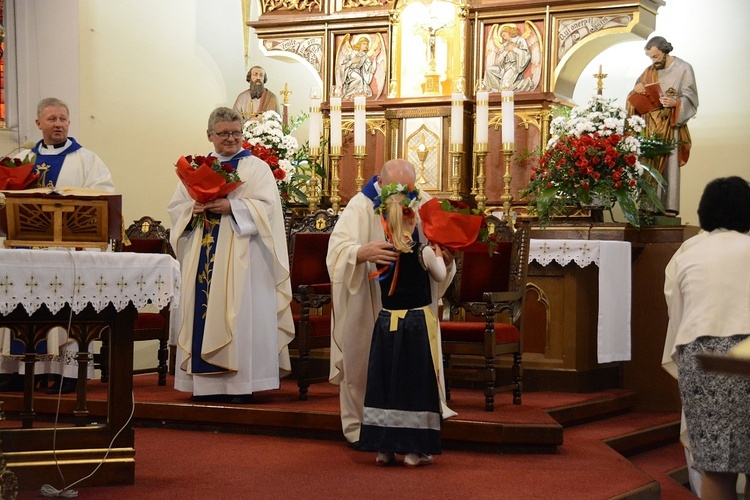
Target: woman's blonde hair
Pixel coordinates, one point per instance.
(395, 214)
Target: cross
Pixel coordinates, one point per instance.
(55, 284)
(102, 283)
(600, 81)
(285, 93)
(6, 284)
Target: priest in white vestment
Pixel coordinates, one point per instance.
(60, 162)
(357, 244)
(235, 320)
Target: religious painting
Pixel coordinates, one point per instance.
(361, 65)
(513, 57)
(572, 31)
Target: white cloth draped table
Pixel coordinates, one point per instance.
(614, 261)
(56, 278)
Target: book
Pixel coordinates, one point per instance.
(643, 103)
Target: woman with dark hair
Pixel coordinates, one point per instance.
(707, 288)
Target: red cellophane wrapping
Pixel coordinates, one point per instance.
(16, 178)
(202, 183)
(452, 230)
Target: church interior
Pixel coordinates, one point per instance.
(360, 82)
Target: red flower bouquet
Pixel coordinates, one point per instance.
(205, 178)
(451, 224)
(16, 173)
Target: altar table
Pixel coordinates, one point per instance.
(41, 289)
(613, 259)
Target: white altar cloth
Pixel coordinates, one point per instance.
(59, 277)
(613, 260)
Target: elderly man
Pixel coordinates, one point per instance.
(235, 321)
(356, 246)
(257, 99)
(60, 162)
(679, 103)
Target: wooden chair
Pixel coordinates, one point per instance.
(146, 235)
(484, 287)
(311, 290)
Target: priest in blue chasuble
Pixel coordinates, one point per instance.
(235, 320)
(60, 162)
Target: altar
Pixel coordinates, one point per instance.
(596, 317)
(43, 289)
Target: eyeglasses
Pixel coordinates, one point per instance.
(227, 135)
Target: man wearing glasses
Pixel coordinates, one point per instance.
(235, 321)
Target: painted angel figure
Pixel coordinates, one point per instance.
(513, 59)
(360, 70)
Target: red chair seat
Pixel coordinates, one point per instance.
(473, 331)
(321, 325)
(149, 321)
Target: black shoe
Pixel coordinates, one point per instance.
(242, 399)
(13, 383)
(354, 446)
(68, 386)
(212, 398)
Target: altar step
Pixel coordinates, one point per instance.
(538, 425)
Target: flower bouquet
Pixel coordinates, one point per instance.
(16, 174)
(592, 159)
(453, 225)
(206, 179)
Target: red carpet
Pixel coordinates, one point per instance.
(193, 465)
(190, 464)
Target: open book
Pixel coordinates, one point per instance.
(643, 103)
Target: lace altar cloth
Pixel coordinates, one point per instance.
(59, 277)
(613, 260)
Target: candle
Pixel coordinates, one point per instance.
(315, 118)
(483, 111)
(359, 121)
(509, 124)
(335, 122)
(457, 118)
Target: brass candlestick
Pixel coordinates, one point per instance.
(480, 149)
(335, 156)
(360, 155)
(506, 198)
(457, 153)
(312, 195)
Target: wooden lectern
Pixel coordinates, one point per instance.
(75, 218)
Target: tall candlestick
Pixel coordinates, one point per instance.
(457, 118)
(483, 111)
(360, 114)
(315, 120)
(335, 122)
(509, 124)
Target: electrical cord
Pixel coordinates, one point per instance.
(66, 492)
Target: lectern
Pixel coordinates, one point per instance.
(68, 218)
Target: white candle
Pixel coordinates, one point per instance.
(315, 119)
(335, 122)
(457, 118)
(483, 112)
(360, 114)
(509, 124)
